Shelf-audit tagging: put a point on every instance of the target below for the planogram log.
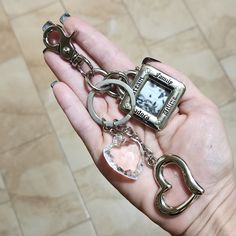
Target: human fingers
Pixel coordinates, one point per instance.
(97, 46)
(79, 118)
(111, 58)
(72, 77)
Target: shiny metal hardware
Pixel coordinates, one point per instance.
(191, 183)
(118, 92)
(56, 40)
(157, 95)
(96, 71)
(103, 85)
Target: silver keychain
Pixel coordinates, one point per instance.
(150, 96)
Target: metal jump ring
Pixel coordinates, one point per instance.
(131, 73)
(102, 121)
(121, 77)
(95, 71)
(85, 61)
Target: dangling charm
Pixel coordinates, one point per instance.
(191, 183)
(127, 162)
(157, 95)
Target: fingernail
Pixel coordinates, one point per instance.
(64, 17)
(150, 59)
(47, 25)
(53, 83)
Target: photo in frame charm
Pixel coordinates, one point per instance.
(157, 95)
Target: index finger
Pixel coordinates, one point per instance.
(97, 46)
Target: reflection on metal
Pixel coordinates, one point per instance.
(157, 95)
(191, 183)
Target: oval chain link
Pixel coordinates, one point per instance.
(78, 61)
(117, 91)
(96, 71)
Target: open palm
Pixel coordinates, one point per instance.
(194, 132)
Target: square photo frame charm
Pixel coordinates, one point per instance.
(157, 95)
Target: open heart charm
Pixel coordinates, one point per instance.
(127, 161)
(191, 183)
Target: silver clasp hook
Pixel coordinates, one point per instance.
(56, 40)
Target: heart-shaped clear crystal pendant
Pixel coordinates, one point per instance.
(125, 156)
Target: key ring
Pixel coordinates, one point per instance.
(103, 85)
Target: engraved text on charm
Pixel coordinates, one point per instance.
(125, 156)
(157, 95)
(191, 183)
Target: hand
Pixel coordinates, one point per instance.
(195, 132)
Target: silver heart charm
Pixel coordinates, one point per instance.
(191, 183)
(125, 156)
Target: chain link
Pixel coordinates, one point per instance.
(117, 91)
(81, 63)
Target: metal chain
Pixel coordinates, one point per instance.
(86, 69)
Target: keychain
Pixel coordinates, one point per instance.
(150, 97)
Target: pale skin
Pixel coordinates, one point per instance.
(195, 132)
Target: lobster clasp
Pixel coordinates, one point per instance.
(56, 40)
